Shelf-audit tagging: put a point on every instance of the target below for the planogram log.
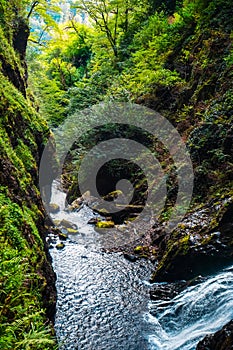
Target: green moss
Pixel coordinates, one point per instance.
(105, 224)
(22, 256)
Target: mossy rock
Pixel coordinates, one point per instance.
(67, 224)
(142, 250)
(72, 231)
(113, 195)
(62, 236)
(101, 211)
(60, 246)
(56, 222)
(54, 208)
(139, 249)
(105, 224)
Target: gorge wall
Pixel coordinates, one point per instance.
(28, 295)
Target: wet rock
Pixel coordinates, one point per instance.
(60, 246)
(142, 251)
(54, 208)
(76, 204)
(62, 236)
(105, 224)
(171, 290)
(92, 221)
(201, 244)
(100, 211)
(167, 291)
(113, 195)
(71, 231)
(130, 257)
(67, 224)
(221, 340)
(56, 222)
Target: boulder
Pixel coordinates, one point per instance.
(221, 340)
(67, 224)
(130, 257)
(54, 208)
(60, 246)
(105, 224)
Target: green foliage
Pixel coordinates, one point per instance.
(60, 67)
(21, 286)
(22, 135)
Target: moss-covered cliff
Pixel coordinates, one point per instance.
(27, 296)
(201, 109)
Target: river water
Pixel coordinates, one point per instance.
(103, 299)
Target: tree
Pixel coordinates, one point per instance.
(42, 17)
(105, 14)
(112, 17)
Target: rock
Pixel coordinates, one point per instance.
(62, 236)
(92, 221)
(113, 195)
(105, 224)
(142, 251)
(76, 205)
(139, 249)
(167, 291)
(60, 246)
(101, 211)
(72, 231)
(221, 340)
(67, 224)
(130, 257)
(56, 222)
(54, 208)
(201, 244)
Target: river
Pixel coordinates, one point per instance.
(103, 299)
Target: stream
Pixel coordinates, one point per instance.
(103, 299)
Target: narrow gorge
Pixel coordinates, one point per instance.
(75, 272)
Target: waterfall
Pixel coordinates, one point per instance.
(198, 310)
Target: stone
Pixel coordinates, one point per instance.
(105, 224)
(56, 222)
(54, 208)
(113, 195)
(67, 224)
(60, 246)
(138, 250)
(72, 231)
(62, 236)
(92, 221)
(130, 257)
(221, 340)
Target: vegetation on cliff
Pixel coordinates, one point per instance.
(27, 297)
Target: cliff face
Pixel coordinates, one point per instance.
(202, 113)
(28, 295)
